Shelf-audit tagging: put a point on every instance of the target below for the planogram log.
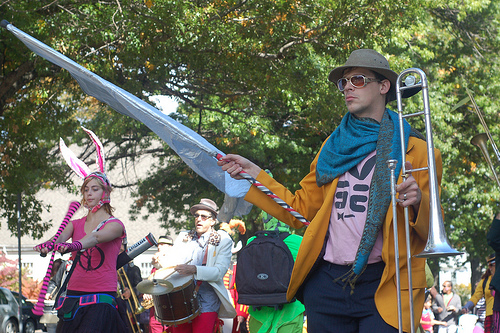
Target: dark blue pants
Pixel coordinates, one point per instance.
(330, 306)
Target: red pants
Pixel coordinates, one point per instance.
(154, 325)
(203, 323)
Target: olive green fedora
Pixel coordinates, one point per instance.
(374, 61)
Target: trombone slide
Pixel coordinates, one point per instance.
(134, 307)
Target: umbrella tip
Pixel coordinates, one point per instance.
(4, 23)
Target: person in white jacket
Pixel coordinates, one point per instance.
(209, 255)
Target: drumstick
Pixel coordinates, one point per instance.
(167, 268)
(170, 267)
(238, 327)
(175, 271)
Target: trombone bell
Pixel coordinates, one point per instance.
(480, 140)
(437, 243)
(140, 309)
(438, 250)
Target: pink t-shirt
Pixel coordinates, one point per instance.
(96, 270)
(427, 316)
(349, 215)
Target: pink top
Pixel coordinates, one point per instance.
(96, 270)
(349, 215)
(427, 316)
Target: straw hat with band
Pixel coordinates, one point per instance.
(205, 204)
(491, 259)
(374, 61)
(165, 240)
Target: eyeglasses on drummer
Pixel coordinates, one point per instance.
(203, 217)
(357, 81)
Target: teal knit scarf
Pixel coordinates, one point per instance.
(348, 145)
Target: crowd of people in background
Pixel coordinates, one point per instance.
(444, 313)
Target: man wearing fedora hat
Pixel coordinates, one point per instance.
(209, 252)
(345, 269)
(165, 240)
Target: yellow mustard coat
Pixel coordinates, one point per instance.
(486, 292)
(315, 204)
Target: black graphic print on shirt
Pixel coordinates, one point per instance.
(353, 198)
(92, 259)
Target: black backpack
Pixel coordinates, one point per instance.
(264, 269)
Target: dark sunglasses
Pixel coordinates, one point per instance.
(203, 217)
(358, 81)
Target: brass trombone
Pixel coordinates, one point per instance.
(437, 242)
(134, 307)
(480, 140)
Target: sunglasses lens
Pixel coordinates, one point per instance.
(341, 84)
(358, 81)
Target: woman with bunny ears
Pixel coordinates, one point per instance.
(90, 303)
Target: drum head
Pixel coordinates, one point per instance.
(179, 281)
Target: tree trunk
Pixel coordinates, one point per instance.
(476, 273)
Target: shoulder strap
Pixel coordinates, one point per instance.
(102, 223)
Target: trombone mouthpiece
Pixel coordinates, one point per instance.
(410, 80)
(392, 164)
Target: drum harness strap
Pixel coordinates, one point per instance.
(219, 322)
(199, 282)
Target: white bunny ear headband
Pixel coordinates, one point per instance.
(83, 171)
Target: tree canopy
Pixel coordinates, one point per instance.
(250, 77)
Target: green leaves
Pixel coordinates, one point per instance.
(251, 77)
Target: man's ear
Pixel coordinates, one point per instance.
(385, 86)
